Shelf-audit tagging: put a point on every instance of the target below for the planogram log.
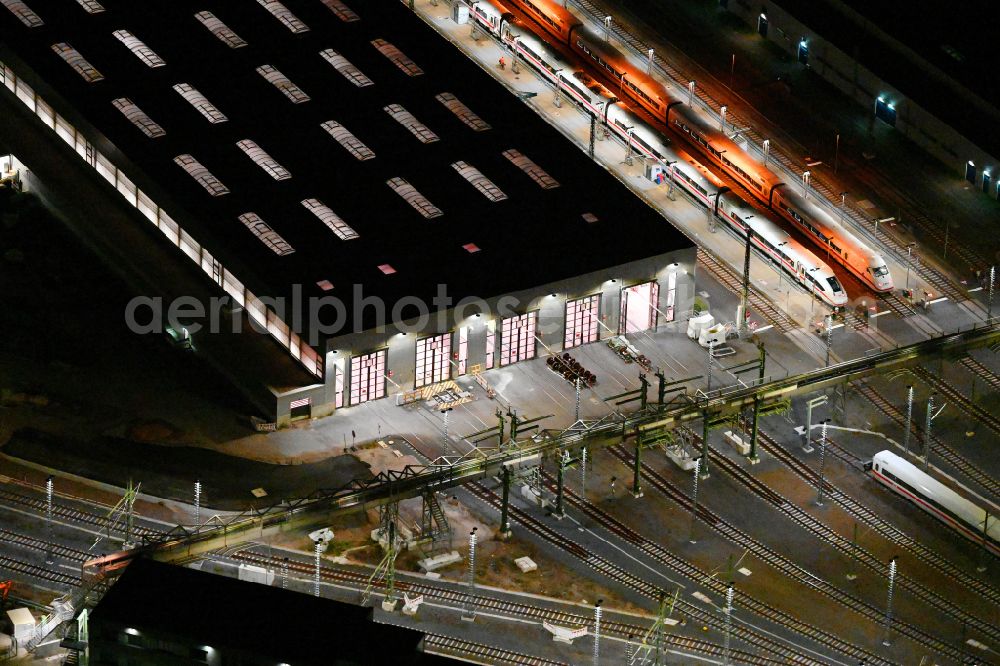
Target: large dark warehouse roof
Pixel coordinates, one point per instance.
(533, 236)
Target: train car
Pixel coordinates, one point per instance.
(787, 254)
(966, 513)
(557, 21)
(790, 256)
(838, 243)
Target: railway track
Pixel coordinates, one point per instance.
(778, 561)
(820, 530)
(39, 572)
(882, 527)
(947, 453)
(66, 512)
(457, 596)
(759, 640)
(32, 543)
(957, 397)
(448, 645)
(981, 371)
(734, 282)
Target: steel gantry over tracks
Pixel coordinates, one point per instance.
(187, 543)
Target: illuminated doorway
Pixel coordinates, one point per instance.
(638, 309)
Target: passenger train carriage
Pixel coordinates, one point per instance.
(563, 27)
(795, 260)
(967, 515)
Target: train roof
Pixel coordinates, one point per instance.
(554, 10)
(935, 481)
(652, 87)
(477, 246)
(766, 228)
(733, 151)
(821, 218)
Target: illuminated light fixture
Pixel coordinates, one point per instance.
(763, 16)
(881, 98)
(131, 632)
(971, 163)
(891, 106)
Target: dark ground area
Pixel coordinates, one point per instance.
(67, 346)
(170, 472)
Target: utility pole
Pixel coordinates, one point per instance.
(927, 430)
(583, 472)
(469, 608)
(704, 445)
(729, 623)
(822, 464)
(197, 504)
(577, 418)
(597, 632)
(909, 419)
(888, 604)
(563, 461)
(989, 302)
(711, 353)
(284, 574)
(741, 325)
(829, 337)
(694, 500)
(593, 130)
(49, 489)
(505, 504)
(317, 552)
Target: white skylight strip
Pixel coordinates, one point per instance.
(479, 181)
(282, 13)
(407, 120)
(77, 62)
(343, 65)
(281, 82)
(414, 198)
(220, 30)
(342, 11)
(24, 13)
(138, 117)
(200, 103)
(350, 142)
(204, 177)
(141, 51)
(330, 219)
(464, 113)
(544, 180)
(92, 6)
(397, 57)
(263, 160)
(266, 234)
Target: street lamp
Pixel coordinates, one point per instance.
(909, 250)
(843, 206)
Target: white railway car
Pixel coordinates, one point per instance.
(562, 27)
(968, 514)
(798, 262)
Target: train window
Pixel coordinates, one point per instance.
(880, 271)
(835, 248)
(834, 284)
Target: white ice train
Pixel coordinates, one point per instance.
(562, 27)
(967, 515)
(794, 259)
